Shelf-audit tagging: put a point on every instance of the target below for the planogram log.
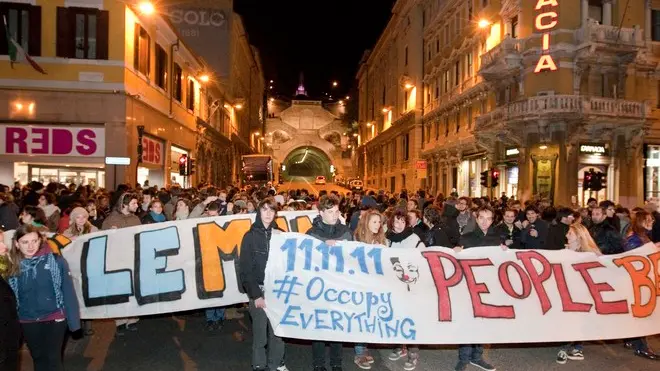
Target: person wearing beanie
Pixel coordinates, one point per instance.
(79, 223)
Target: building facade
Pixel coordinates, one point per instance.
(541, 91)
(119, 83)
(390, 116)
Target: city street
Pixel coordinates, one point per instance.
(179, 342)
(308, 184)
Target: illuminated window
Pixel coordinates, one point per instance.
(142, 50)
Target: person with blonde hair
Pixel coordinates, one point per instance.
(79, 223)
(580, 240)
(370, 229)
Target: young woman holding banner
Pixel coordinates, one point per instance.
(369, 230)
(578, 240)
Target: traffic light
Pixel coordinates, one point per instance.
(494, 178)
(484, 178)
(603, 180)
(586, 180)
(597, 181)
(191, 166)
(139, 152)
(183, 165)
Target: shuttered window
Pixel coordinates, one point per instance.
(82, 33)
(24, 24)
(141, 50)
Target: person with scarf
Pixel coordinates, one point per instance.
(155, 213)
(45, 297)
(255, 247)
(401, 236)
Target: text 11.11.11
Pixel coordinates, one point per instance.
(360, 254)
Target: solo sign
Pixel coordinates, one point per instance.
(52, 140)
(545, 22)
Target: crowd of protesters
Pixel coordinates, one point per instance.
(45, 304)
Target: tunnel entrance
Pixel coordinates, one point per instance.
(308, 162)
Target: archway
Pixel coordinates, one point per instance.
(307, 162)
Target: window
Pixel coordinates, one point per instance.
(437, 130)
(406, 55)
(446, 34)
(428, 58)
(596, 10)
(141, 50)
(447, 79)
(655, 25)
(406, 146)
(437, 45)
(82, 33)
(458, 121)
(469, 15)
(405, 101)
(468, 64)
(484, 3)
(161, 67)
(457, 72)
(514, 27)
(424, 18)
(437, 88)
(384, 88)
(190, 95)
(177, 80)
(24, 25)
(469, 116)
(428, 133)
(393, 145)
(446, 126)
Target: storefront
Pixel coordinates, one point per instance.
(470, 176)
(652, 171)
(594, 157)
(175, 177)
(52, 153)
(510, 170)
(151, 171)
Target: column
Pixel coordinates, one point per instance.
(607, 12)
(584, 11)
(647, 20)
(507, 27)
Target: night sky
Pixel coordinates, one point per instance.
(324, 39)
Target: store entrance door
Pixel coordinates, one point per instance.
(67, 175)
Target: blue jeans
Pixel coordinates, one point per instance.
(467, 353)
(215, 314)
(361, 349)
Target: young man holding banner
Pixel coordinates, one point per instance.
(254, 256)
(483, 235)
(328, 228)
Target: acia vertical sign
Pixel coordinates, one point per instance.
(545, 22)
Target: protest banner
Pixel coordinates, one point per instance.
(361, 293)
(161, 268)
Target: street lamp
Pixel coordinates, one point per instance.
(204, 78)
(408, 86)
(334, 84)
(146, 7)
(483, 23)
(238, 106)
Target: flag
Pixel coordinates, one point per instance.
(17, 54)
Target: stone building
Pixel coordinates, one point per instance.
(542, 92)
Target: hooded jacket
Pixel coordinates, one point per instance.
(325, 232)
(451, 227)
(254, 256)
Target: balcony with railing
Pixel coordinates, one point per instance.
(610, 36)
(503, 57)
(454, 95)
(572, 106)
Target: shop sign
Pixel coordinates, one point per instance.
(593, 149)
(51, 141)
(512, 152)
(420, 166)
(152, 151)
(545, 22)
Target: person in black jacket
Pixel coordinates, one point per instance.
(328, 228)
(535, 230)
(484, 235)
(449, 215)
(419, 227)
(437, 234)
(252, 266)
(10, 330)
(8, 215)
(558, 230)
(509, 233)
(607, 237)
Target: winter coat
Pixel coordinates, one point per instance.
(556, 236)
(118, 220)
(326, 232)
(538, 242)
(53, 214)
(8, 218)
(255, 247)
(437, 236)
(10, 333)
(509, 234)
(451, 227)
(632, 242)
(44, 290)
(421, 230)
(477, 238)
(406, 239)
(607, 237)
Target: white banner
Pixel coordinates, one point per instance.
(164, 267)
(354, 292)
